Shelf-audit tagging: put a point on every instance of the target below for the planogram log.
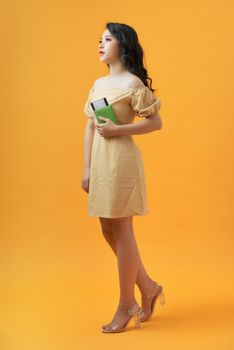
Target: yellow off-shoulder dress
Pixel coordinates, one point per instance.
(117, 185)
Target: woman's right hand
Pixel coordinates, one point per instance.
(85, 180)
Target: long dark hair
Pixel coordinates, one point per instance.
(131, 52)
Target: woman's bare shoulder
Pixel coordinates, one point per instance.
(134, 81)
(128, 80)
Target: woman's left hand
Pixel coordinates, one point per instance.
(108, 129)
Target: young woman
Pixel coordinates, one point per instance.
(113, 168)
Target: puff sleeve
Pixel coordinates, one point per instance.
(144, 102)
(87, 107)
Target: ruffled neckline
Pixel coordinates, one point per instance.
(120, 88)
(122, 92)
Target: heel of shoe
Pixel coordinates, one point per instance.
(161, 298)
(136, 317)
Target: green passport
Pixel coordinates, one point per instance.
(106, 112)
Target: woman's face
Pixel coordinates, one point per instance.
(109, 46)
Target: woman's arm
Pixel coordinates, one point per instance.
(144, 126)
(88, 142)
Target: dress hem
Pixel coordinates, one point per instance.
(126, 215)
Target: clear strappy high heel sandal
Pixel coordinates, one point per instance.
(134, 312)
(159, 295)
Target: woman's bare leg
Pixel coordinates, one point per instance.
(145, 284)
(127, 256)
(119, 234)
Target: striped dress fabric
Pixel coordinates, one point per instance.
(117, 185)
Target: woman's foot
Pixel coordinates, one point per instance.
(121, 316)
(147, 297)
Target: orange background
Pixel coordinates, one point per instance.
(59, 278)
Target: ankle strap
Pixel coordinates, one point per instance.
(133, 309)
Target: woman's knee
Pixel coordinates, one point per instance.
(106, 227)
(121, 226)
